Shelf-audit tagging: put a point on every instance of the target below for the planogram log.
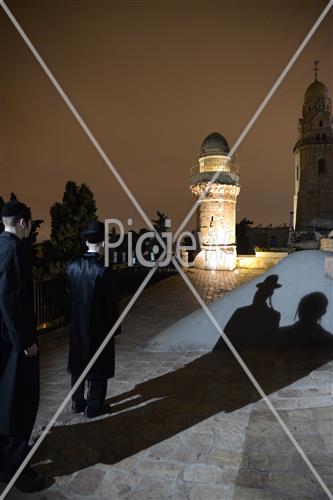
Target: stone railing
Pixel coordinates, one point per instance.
(225, 176)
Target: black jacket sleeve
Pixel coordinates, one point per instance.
(110, 298)
(12, 304)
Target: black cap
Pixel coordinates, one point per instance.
(95, 232)
(16, 209)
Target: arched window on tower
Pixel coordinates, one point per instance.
(323, 137)
(322, 163)
(320, 123)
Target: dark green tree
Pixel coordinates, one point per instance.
(34, 246)
(160, 222)
(68, 220)
(160, 227)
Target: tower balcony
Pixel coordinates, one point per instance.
(206, 168)
(226, 174)
(306, 141)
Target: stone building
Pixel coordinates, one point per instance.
(268, 238)
(313, 199)
(217, 210)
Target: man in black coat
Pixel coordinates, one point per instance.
(19, 360)
(94, 310)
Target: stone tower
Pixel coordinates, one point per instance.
(217, 211)
(313, 199)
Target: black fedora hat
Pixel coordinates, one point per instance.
(95, 232)
(270, 283)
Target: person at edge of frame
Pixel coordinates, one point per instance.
(93, 312)
(19, 357)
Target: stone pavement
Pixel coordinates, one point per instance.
(187, 426)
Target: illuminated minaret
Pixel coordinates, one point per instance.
(217, 211)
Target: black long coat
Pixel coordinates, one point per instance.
(93, 311)
(19, 375)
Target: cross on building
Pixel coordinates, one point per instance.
(316, 69)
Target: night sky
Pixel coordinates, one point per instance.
(151, 80)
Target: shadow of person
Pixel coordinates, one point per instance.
(256, 325)
(159, 408)
(307, 332)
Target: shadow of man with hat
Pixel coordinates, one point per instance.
(307, 331)
(256, 325)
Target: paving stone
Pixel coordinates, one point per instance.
(300, 415)
(328, 442)
(306, 383)
(293, 485)
(322, 461)
(303, 427)
(116, 485)
(328, 480)
(196, 440)
(323, 376)
(223, 457)
(309, 392)
(323, 413)
(325, 426)
(263, 461)
(107, 491)
(232, 441)
(86, 482)
(230, 475)
(158, 469)
(181, 491)
(245, 493)
(153, 489)
(186, 454)
(253, 478)
(319, 401)
(203, 473)
(207, 492)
